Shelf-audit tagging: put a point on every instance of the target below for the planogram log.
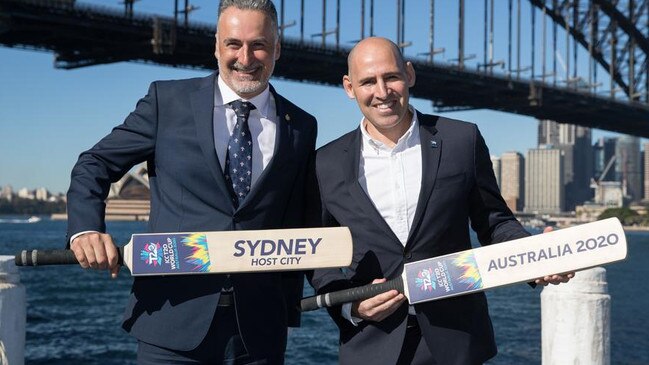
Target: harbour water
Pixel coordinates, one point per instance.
(73, 316)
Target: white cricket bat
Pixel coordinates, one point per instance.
(522, 260)
(220, 252)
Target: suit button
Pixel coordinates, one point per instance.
(407, 255)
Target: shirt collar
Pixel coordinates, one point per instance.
(409, 139)
(225, 95)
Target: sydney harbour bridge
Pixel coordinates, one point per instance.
(584, 62)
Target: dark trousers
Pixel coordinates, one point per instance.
(222, 345)
(414, 350)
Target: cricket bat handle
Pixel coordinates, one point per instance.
(52, 257)
(350, 295)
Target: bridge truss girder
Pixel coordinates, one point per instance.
(615, 41)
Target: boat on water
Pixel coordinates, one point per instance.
(32, 219)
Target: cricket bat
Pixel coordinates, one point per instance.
(220, 252)
(522, 260)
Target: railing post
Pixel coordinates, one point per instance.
(575, 320)
(12, 314)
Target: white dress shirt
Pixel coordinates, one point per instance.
(391, 178)
(262, 122)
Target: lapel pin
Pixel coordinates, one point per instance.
(287, 117)
(433, 144)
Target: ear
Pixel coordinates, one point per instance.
(216, 46)
(347, 85)
(278, 48)
(410, 74)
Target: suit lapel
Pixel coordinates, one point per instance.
(364, 202)
(431, 151)
(203, 108)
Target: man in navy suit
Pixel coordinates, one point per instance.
(408, 185)
(186, 131)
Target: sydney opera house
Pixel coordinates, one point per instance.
(128, 199)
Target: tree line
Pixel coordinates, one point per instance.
(30, 206)
(627, 216)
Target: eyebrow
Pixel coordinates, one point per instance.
(388, 74)
(364, 79)
(258, 39)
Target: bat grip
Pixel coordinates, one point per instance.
(350, 295)
(53, 257)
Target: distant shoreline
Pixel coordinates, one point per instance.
(143, 215)
(636, 228)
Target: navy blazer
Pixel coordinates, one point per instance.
(458, 189)
(172, 129)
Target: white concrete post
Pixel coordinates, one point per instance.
(12, 314)
(575, 320)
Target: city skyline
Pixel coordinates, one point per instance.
(567, 173)
(528, 183)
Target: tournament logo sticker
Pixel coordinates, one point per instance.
(199, 256)
(424, 281)
(470, 275)
(151, 254)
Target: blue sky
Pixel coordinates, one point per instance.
(48, 116)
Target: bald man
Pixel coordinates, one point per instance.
(408, 185)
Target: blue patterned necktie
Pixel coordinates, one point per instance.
(238, 161)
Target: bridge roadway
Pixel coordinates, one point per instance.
(82, 35)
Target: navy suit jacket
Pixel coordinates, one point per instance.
(172, 129)
(458, 188)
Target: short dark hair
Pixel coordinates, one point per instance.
(265, 6)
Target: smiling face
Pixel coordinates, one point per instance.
(379, 80)
(247, 47)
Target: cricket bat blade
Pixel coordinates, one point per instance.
(521, 260)
(183, 253)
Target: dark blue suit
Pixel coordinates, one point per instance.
(172, 129)
(458, 187)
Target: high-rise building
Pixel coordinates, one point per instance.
(512, 180)
(7, 192)
(495, 163)
(548, 133)
(628, 169)
(544, 185)
(42, 194)
(25, 193)
(576, 144)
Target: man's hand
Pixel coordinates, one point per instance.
(97, 251)
(378, 307)
(556, 278)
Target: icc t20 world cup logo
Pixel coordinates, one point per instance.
(424, 280)
(151, 254)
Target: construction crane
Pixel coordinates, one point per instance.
(601, 189)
